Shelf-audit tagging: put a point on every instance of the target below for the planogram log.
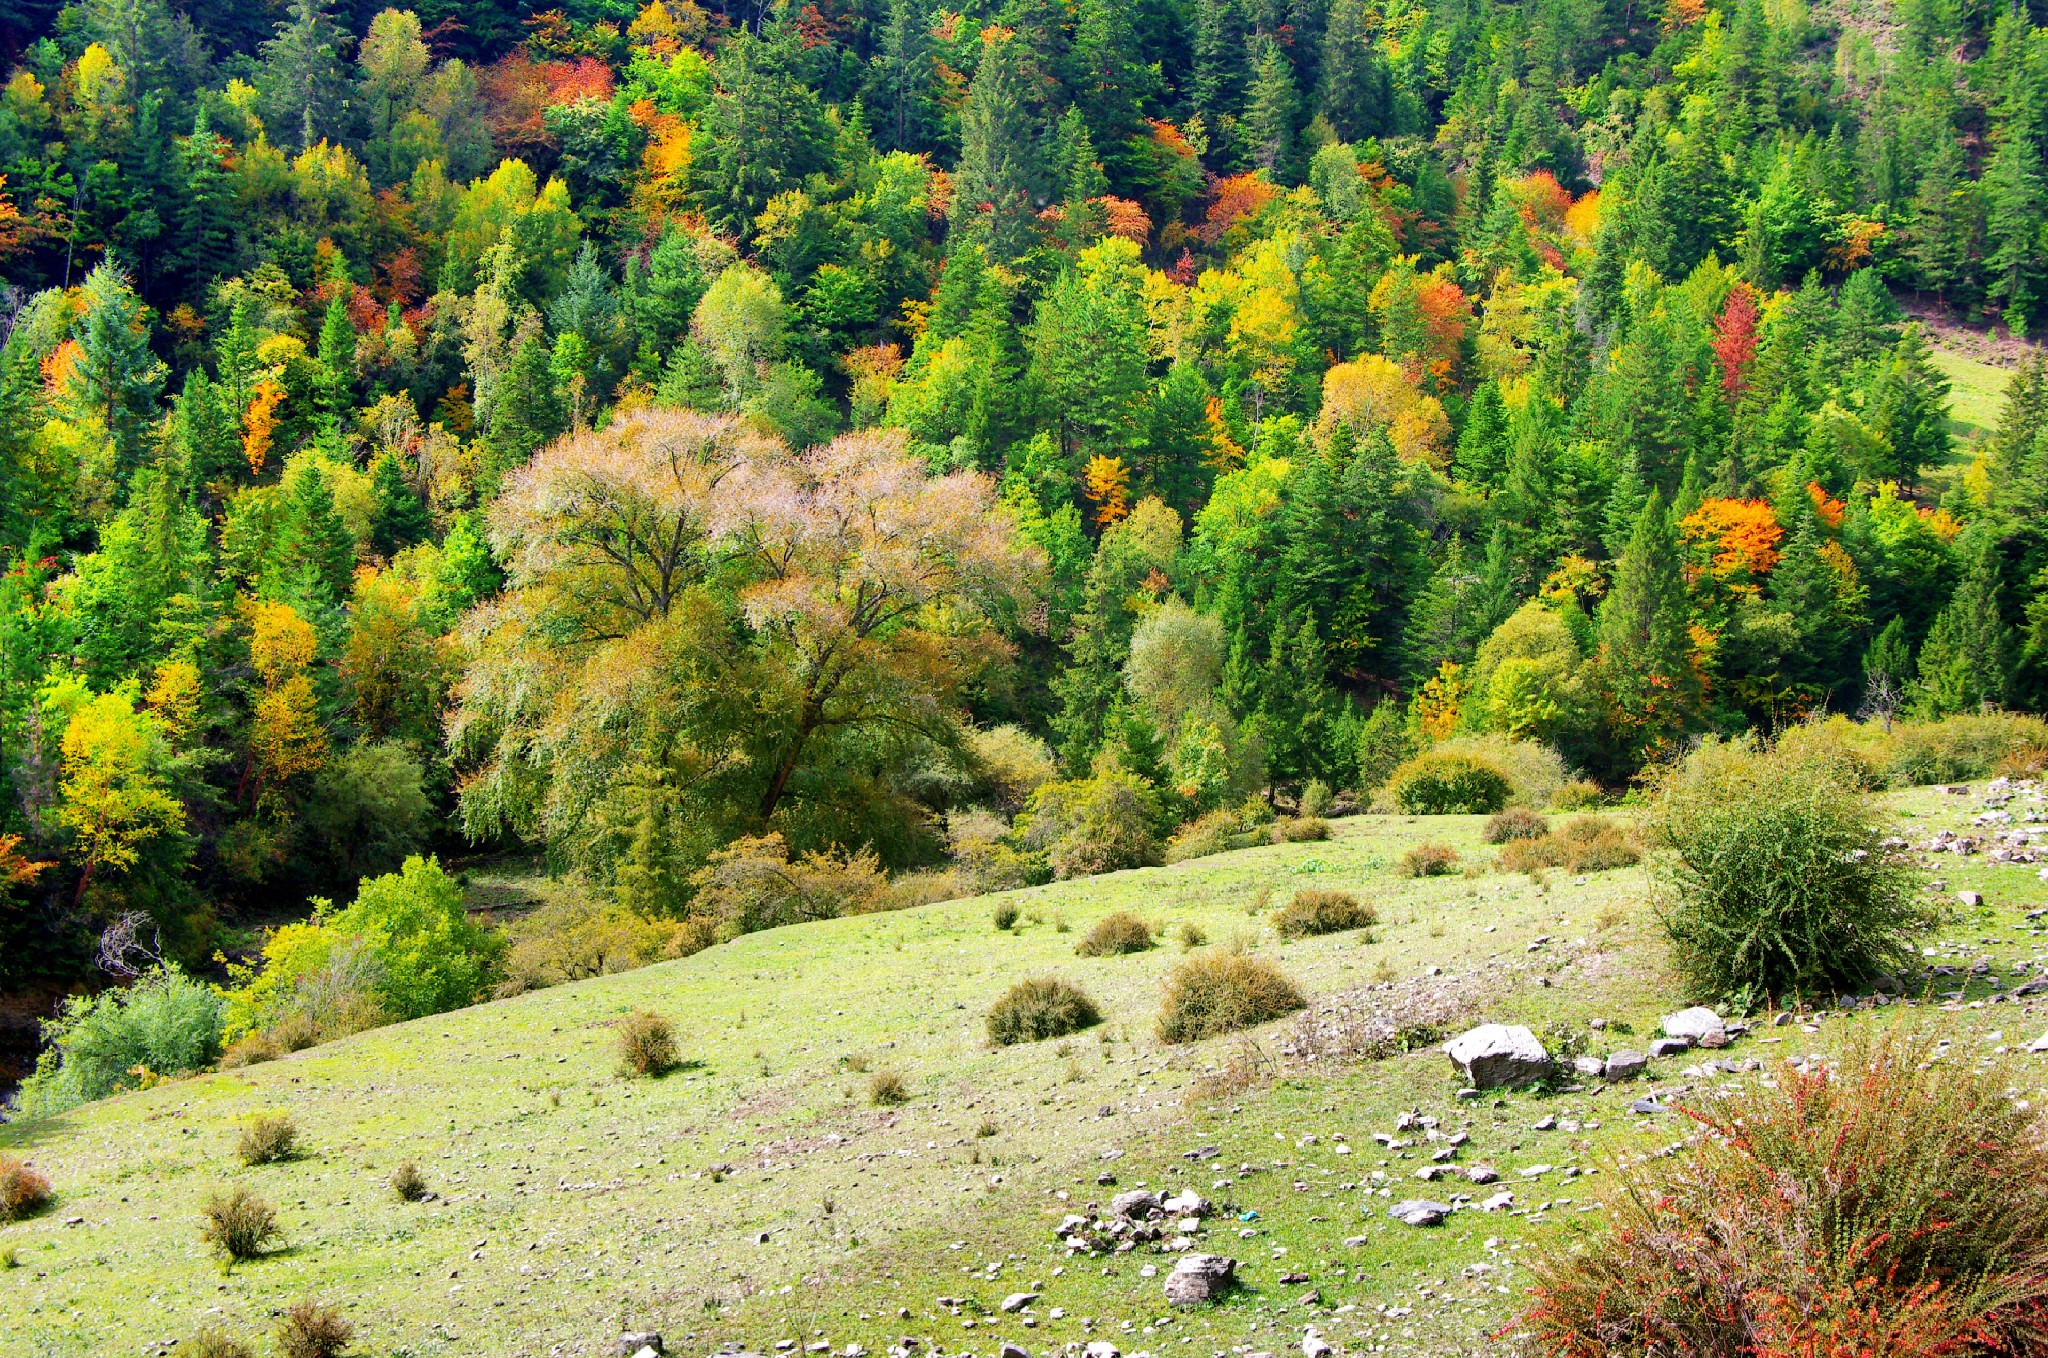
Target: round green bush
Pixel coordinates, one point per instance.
(1315, 911)
(1222, 991)
(1778, 876)
(1449, 785)
(1034, 1010)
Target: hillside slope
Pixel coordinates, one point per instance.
(760, 1197)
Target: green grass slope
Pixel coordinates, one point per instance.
(760, 1197)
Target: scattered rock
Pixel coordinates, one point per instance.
(1010, 1350)
(1498, 1054)
(1546, 1122)
(1592, 1067)
(1624, 1065)
(1314, 1345)
(1202, 1153)
(633, 1341)
(1134, 1205)
(1500, 1201)
(1198, 1278)
(1017, 1301)
(1646, 1106)
(1293, 1279)
(1670, 1046)
(1481, 1174)
(2039, 1044)
(1969, 900)
(1101, 1348)
(1694, 1023)
(1419, 1212)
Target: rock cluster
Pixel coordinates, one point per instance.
(1139, 1217)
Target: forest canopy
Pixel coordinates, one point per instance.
(796, 445)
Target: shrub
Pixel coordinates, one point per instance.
(23, 1192)
(251, 1050)
(1093, 825)
(1897, 1204)
(1535, 771)
(1004, 917)
(753, 883)
(1315, 799)
(647, 1044)
(165, 1024)
(1780, 877)
(313, 1331)
(1957, 749)
(1114, 934)
(432, 956)
(1316, 911)
(1191, 935)
(267, 1139)
(1580, 794)
(408, 1183)
(1436, 784)
(1214, 832)
(1222, 991)
(1301, 830)
(1429, 860)
(576, 936)
(1031, 1011)
(1514, 823)
(314, 984)
(238, 1224)
(1583, 844)
(886, 1089)
(214, 1344)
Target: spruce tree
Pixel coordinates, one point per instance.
(301, 82)
(401, 517)
(525, 415)
(1652, 685)
(998, 169)
(1966, 663)
(312, 559)
(1272, 115)
(118, 377)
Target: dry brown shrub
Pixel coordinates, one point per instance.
(266, 1139)
(647, 1044)
(23, 1191)
(238, 1223)
(1221, 991)
(1114, 934)
(888, 1090)
(1429, 860)
(310, 1330)
(1317, 911)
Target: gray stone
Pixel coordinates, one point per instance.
(1694, 1023)
(1969, 900)
(1199, 1278)
(1624, 1064)
(1101, 1348)
(1497, 1054)
(1314, 1345)
(1646, 1106)
(1134, 1205)
(1017, 1301)
(1481, 1174)
(1419, 1212)
(1669, 1046)
(1010, 1350)
(2039, 1044)
(631, 1342)
(1592, 1067)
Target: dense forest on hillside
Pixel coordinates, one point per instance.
(839, 441)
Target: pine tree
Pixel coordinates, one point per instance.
(2013, 206)
(765, 129)
(302, 82)
(1108, 84)
(336, 356)
(1271, 115)
(992, 190)
(1652, 685)
(401, 519)
(1966, 663)
(118, 378)
(899, 92)
(1353, 90)
(312, 559)
(1221, 74)
(525, 415)
(2017, 466)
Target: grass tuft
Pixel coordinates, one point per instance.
(267, 1139)
(408, 1183)
(647, 1045)
(1004, 917)
(1034, 1010)
(886, 1089)
(1115, 934)
(23, 1192)
(1429, 860)
(211, 1343)
(1222, 991)
(310, 1330)
(238, 1224)
(1315, 910)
